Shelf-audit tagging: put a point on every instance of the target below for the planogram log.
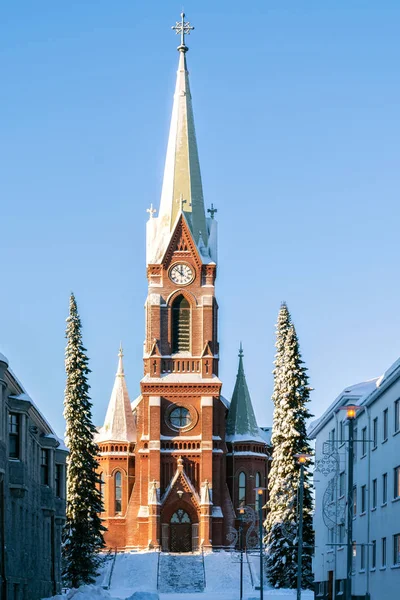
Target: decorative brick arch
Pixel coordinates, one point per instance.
(190, 297)
(172, 507)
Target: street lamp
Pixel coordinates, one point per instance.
(259, 492)
(241, 517)
(301, 459)
(351, 413)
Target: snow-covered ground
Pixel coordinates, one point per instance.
(137, 572)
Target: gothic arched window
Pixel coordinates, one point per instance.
(118, 492)
(102, 488)
(242, 488)
(180, 325)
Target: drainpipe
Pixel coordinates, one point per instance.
(367, 595)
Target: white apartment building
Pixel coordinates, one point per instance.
(376, 498)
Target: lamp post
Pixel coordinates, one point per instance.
(259, 493)
(241, 515)
(301, 459)
(351, 413)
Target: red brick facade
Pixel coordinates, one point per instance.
(174, 482)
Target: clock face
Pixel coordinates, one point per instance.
(181, 274)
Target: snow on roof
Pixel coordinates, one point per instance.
(225, 401)
(356, 394)
(266, 433)
(61, 445)
(135, 403)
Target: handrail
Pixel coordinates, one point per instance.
(158, 567)
(204, 567)
(250, 571)
(112, 569)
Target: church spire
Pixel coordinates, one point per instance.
(241, 422)
(182, 190)
(119, 424)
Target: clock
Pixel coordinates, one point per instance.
(181, 274)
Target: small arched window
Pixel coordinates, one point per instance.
(102, 488)
(118, 492)
(180, 325)
(258, 485)
(242, 488)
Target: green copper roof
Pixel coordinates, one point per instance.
(241, 419)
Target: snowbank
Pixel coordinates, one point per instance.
(86, 592)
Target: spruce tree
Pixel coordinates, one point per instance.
(83, 530)
(289, 437)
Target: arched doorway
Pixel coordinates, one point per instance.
(181, 532)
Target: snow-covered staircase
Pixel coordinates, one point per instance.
(181, 573)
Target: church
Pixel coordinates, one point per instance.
(177, 463)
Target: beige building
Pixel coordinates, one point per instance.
(32, 495)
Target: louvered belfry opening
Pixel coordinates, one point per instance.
(180, 325)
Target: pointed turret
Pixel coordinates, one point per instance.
(241, 423)
(119, 424)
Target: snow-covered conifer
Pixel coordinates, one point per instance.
(82, 535)
(290, 397)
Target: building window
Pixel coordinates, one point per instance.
(374, 492)
(342, 484)
(375, 432)
(242, 488)
(341, 533)
(332, 440)
(362, 557)
(180, 325)
(384, 488)
(364, 440)
(59, 480)
(180, 417)
(44, 466)
(13, 435)
(384, 552)
(396, 490)
(354, 501)
(102, 489)
(354, 559)
(385, 425)
(396, 549)
(341, 433)
(397, 415)
(373, 552)
(355, 445)
(118, 492)
(363, 499)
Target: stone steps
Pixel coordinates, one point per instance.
(181, 573)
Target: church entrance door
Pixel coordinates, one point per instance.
(181, 532)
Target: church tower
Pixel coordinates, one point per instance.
(164, 457)
(180, 419)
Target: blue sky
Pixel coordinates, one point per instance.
(297, 115)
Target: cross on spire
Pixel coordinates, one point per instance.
(212, 210)
(182, 28)
(151, 211)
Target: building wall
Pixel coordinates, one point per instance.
(31, 513)
(374, 522)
